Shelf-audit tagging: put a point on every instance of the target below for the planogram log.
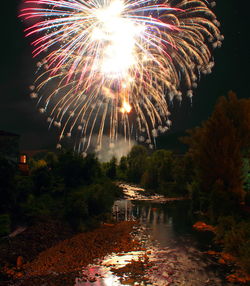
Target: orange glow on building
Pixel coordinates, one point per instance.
(23, 159)
(23, 165)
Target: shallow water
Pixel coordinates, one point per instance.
(165, 231)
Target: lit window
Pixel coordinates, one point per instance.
(23, 159)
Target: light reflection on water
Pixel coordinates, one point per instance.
(164, 231)
(100, 274)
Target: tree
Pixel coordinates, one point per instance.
(136, 163)
(51, 159)
(7, 190)
(5, 224)
(42, 180)
(159, 169)
(122, 168)
(218, 146)
(183, 173)
(76, 170)
(110, 168)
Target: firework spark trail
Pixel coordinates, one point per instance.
(117, 63)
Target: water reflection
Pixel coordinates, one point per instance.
(165, 233)
(100, 274)
(164, 221)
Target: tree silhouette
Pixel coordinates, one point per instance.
(218, 147)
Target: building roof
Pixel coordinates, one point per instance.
(32, 153)
(8, 134)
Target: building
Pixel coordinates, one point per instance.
(9, 149)
(9, 146)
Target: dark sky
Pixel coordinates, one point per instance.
(18, 112)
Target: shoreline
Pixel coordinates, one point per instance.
(60, 264)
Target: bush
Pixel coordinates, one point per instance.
(76, 211)
(235, 237)
(42, 180)
(89, 205)
(247, 198)
(5, 223)
(24, 186)
(99, 199)
(37, 208)
(245, 255)
(7, 191)
(225, 224)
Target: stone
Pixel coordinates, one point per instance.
(19, 262)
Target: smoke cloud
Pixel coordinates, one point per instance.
(119, 148)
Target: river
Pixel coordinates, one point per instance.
(175, 253)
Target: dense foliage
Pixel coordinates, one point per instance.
(61, 185)
(159, 171)
(219, 150)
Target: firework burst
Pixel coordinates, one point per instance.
(111, 66)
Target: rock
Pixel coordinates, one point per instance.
(19, 262)
(19, 274)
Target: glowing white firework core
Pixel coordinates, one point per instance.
(118, 36)
(126, 107)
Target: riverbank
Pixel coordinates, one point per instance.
(59, 264)
(239, 275)
(135, 192)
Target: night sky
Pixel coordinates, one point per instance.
(18, 112)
